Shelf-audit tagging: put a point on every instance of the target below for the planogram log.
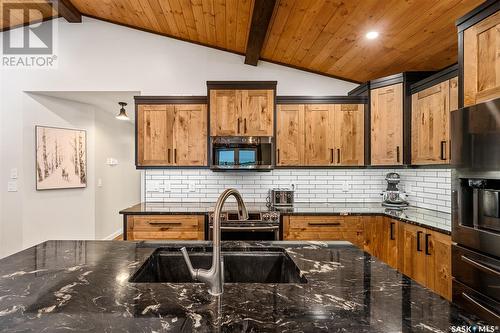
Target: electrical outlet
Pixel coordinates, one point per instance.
(345, 187)
(167, 187)
(192, 187)
(12, 186)
(99, 182)
(13, 173)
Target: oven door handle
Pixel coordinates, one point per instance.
(476, 303)
(247, 228)
(482, 266)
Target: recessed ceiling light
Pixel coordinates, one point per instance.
(372, 34)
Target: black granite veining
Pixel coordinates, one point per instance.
(83, 286)
(427, 218)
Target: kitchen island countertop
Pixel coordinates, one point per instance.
(83, 286)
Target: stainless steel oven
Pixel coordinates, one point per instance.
(475, 138)
(261, 225)
(242, 153)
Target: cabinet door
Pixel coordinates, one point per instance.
(482, 61)
(412, 252)
(290, 138)
(318, 121)
(349, 134)
(374, 240)
(154, 135)
(453, 94)
(225, 112)
(391, 236)
(190, 135)
(257, 112)
(430, 125)
(387, 125)
(438, 261)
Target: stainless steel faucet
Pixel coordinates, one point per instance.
(214, 277)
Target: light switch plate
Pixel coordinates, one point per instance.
(13, 173)
(166, 187)
(192, 187)
(12, 186)
(345, 187)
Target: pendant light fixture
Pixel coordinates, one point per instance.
(123, 114)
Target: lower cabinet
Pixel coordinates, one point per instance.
(419, 253)
(163, 227)
(426, 258)
(332, 227)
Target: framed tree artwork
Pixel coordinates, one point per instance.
(61, 158)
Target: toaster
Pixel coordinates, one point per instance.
(281, 197)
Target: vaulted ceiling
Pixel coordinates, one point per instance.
(322, 36)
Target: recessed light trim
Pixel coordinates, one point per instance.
(372, 35)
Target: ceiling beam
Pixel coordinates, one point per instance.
(261, 17)
(67, 10)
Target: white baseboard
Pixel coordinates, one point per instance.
(113, 235)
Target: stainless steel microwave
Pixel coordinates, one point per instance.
(241, 153)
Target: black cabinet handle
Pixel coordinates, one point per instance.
(419, 249)
(450, 149)
(391, 231)
(168, 155)
(245, 125)
(331, 155)
(239, 120)
(338, 155)
(427, 236)
(397, 154)
(443, 150)
(278, 157)
(175, 155)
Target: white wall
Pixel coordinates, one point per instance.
(98, 56)
(120, 183)
(56, 214)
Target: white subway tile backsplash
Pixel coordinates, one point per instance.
(427, 188)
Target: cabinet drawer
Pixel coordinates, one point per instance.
(325, 223)
(144, 227)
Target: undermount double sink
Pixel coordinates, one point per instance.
(241, 265)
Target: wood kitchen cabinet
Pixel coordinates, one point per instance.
(290, 135)
(348, 131)
(171, 135)
(431, 109)
(165, 227)
(318, 125)
(426, 258)
(320, 134)
(155, 140)
(481, 60)
(331, 227)
(381, 239)
(387, 125)
(236, 111)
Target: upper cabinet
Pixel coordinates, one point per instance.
(290, 138)
(241, 108)
(482, 61)
(320, 134)
(171, 134)
(387, 125)
(432, 101)
(348, 132)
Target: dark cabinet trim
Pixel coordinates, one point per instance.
(478, 14)
(321, 100)
(443, 75)
(241, 85)
(171, 99)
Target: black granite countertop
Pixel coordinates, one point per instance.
(431, 219)
(83, 286)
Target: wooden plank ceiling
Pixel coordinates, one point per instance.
(323, 36)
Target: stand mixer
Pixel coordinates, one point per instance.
(392, 196)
